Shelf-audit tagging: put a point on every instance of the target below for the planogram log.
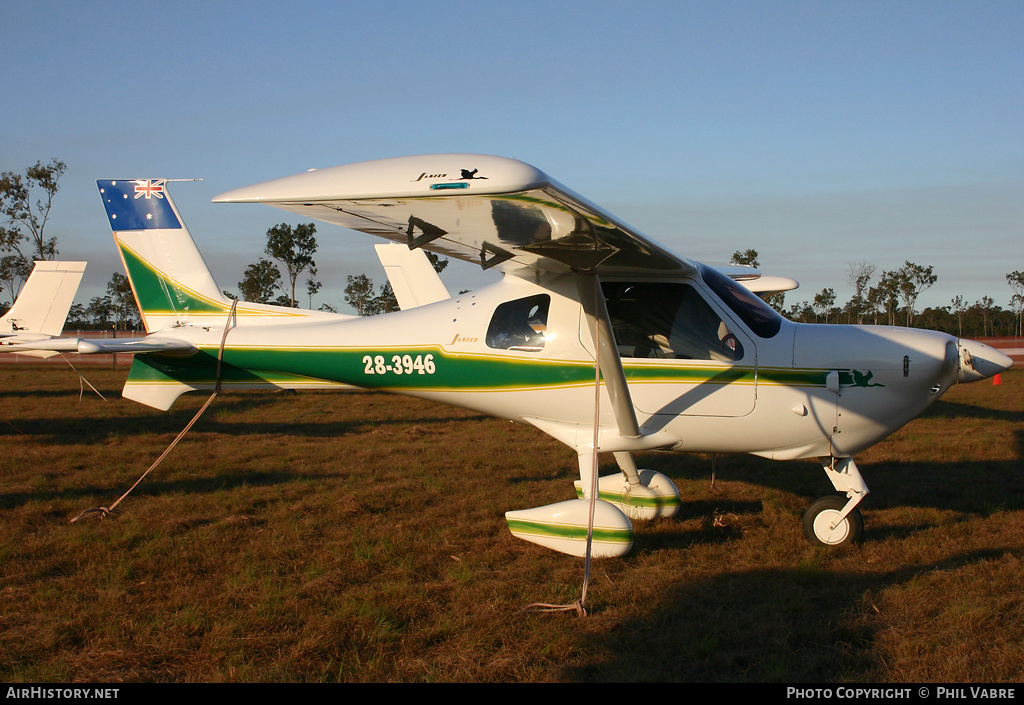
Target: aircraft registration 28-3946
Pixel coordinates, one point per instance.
(595, 334)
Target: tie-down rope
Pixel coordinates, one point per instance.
(104, 512)
(580, 605)
(82, 381)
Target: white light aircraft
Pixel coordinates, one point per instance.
(42, 306)
(595, 335)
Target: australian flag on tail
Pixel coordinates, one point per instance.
(141, 204)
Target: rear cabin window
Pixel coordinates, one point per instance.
(667, 320)
(520, 325)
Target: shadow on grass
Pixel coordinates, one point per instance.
(88, 396)
(803, 625)
(96, 429)
(956, 410)
(704, 515)
(151, 488)
(980, 486)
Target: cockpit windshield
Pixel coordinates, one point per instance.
(762, 319)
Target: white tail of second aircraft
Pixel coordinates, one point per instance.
(43, 304)
(412, 276)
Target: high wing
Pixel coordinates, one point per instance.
(494, 211)
(766, 285)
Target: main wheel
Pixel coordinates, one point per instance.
(819, 517)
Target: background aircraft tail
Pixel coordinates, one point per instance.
(43, 304)
(413, 279)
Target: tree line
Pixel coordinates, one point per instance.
(294, 248)
(890, 298)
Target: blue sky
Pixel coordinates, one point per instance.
(818, 133)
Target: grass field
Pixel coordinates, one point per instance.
(360, 537)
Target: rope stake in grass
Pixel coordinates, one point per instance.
(104, 512)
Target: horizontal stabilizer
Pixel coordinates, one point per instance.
(157, 381)
(109, 346)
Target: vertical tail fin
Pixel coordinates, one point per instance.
(412, 277)
(170, 280)
(173, 286)
(43, 304)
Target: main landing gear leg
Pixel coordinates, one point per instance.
(640, 494)
(832, 521)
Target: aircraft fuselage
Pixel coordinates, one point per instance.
(700, 378)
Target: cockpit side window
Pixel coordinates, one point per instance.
(520, 325)
(762, 319)
(667, 320)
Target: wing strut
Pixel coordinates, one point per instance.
(589, 286)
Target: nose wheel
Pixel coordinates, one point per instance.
(824, 527)
(832, 520)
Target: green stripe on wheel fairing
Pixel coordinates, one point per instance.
(569, 531)
(633, 501)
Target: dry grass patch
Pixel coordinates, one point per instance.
(360, 537)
